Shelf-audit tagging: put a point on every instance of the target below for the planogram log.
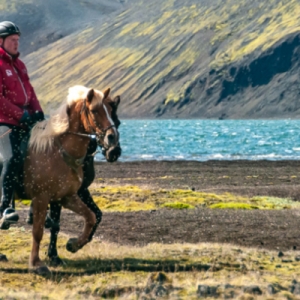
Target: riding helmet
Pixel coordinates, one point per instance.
(8, 28)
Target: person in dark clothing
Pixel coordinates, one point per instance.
(19, 111)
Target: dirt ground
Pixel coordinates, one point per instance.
(270, 229)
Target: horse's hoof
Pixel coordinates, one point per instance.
(72, 245)
(56, 261)
(9, 217)
(3, 258)
(41, 270)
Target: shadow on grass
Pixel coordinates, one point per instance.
(95, 266)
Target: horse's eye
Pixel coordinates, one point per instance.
(94, 111)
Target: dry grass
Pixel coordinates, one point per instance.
(103, 269)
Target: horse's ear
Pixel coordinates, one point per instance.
(90, 95)
(116, 102)
(106, 93)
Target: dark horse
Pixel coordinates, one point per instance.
(57, 160)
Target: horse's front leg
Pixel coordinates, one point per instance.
(55, 211)
(76, 205)
(86, 197)
(40, 204)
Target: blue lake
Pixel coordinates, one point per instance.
(203, 140)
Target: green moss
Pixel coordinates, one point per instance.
(134, 198)
(233, 205)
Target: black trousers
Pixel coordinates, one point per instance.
(11, 139)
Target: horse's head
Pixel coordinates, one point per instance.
(99, 117)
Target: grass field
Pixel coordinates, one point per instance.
(165, 271)
(174, 271)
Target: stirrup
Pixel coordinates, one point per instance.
(9, 217)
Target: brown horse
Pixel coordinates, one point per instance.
(53, 168)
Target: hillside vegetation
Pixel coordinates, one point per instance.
(208, 59)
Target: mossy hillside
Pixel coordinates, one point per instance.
(12, 6)
(155, 58)
(102, 266)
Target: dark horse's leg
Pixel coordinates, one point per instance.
(86, 197)
(55, 211)
(89, 176)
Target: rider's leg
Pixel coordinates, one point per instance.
(11, 155)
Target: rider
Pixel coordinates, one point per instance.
(19, 111)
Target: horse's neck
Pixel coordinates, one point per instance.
(75, 145)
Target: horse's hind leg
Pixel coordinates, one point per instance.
(86, 197)
(48, 222)
(76, 205)
(39, 214)
(55, 211)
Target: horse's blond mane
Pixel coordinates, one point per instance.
(43, 133)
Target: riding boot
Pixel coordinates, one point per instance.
(7, 214)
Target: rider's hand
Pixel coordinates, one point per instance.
(38, 116)
(26, 119)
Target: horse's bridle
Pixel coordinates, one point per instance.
(99, 136)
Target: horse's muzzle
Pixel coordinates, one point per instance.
(113, 153)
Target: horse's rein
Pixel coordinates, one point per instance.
(88, 113)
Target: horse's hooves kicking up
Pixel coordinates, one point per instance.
(56, 261)
(72, 245)
(9, 217)
(3, 258)
(41, 270)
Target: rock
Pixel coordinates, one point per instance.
(229, 291)
(228, 286)
(271, 289)
(252, 289)
(297, 258)
(160, 291)
(3, 257)
(280, 254)
(206, 290)
(295, 287)
(159, 277)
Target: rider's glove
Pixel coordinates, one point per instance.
(26, 119)
(38, 116)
